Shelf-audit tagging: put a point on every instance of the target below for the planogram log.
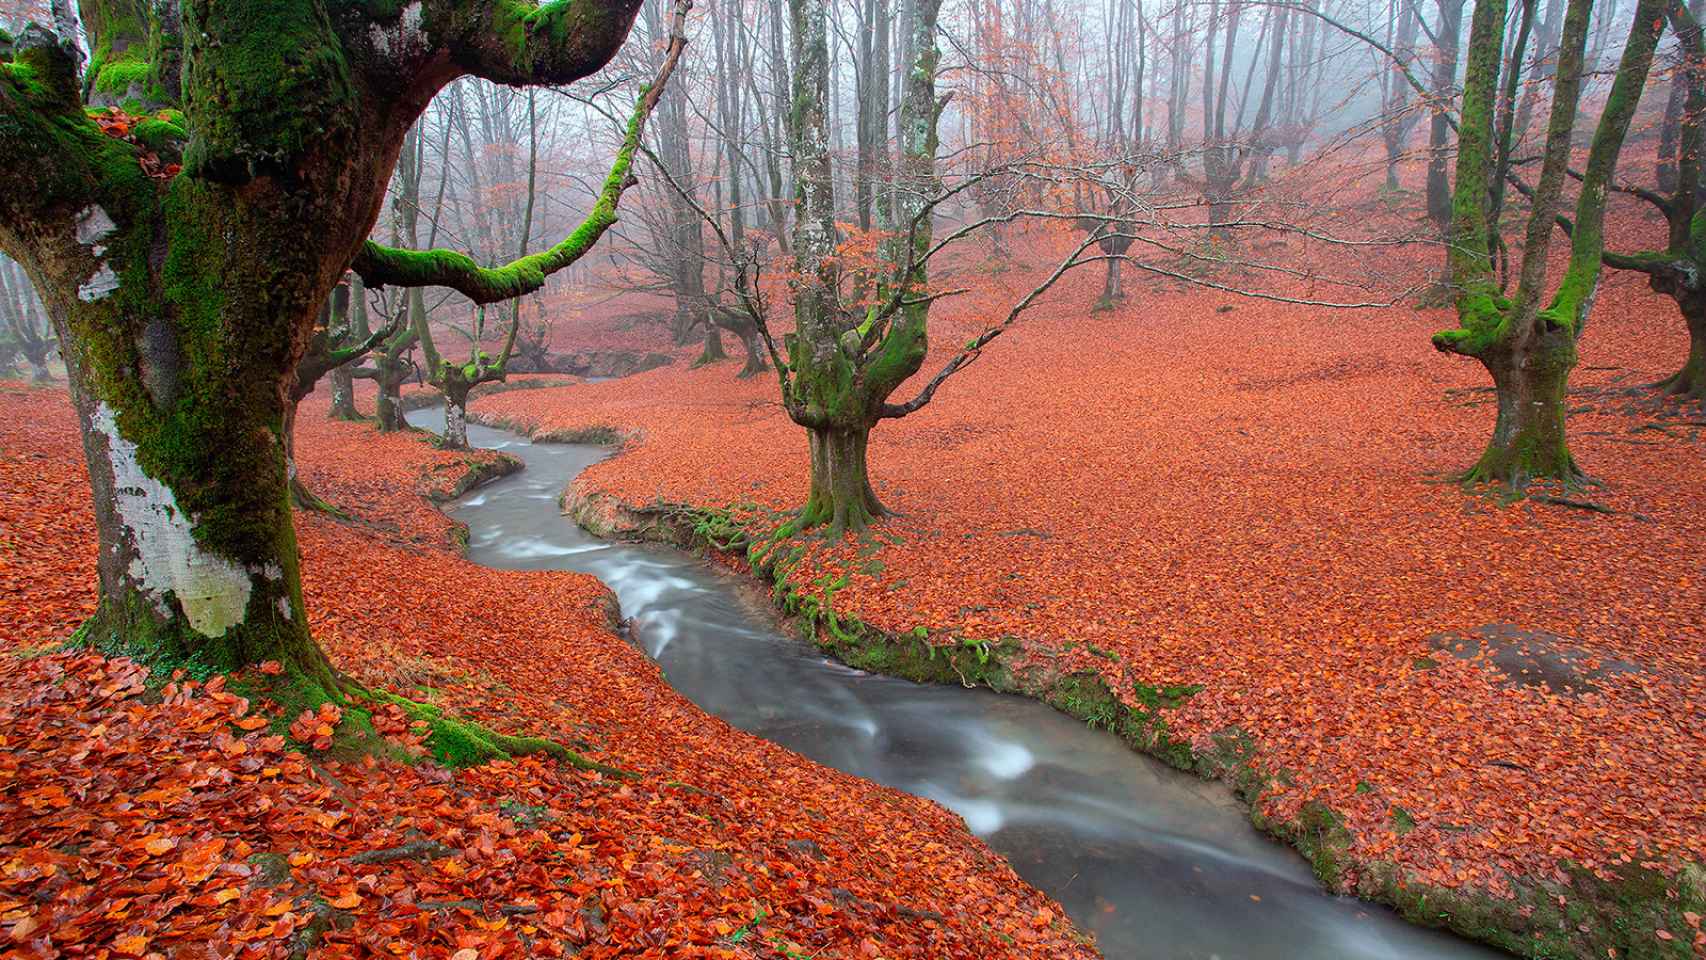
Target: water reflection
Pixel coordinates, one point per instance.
(1156, 863)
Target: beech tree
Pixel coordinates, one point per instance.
(1396, 116)
(842, 363)
(184, 297)
(1227, 149)
(1446, 34)
(1679, 270)
(1530, 349)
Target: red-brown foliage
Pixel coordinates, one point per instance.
(1247, 495)
(177, 825)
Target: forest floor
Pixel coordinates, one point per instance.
(1248, 499)
(145, 821)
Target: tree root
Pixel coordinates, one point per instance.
(464, 743)
(452, 741)
(1572, 502)
(305, 499)
(478, 906)
(413, 850)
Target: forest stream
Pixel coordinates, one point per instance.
(1157, 864)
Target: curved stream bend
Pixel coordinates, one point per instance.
(1158, 864)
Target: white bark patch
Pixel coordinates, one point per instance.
(104, 282)
(94, 226)
(212, 591)
(456, 424)
(400, 40)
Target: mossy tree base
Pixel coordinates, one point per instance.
(303, 498)
(841, 497)
(1689, 383)
(1529, 442)
(713, 352)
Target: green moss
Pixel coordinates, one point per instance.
(1319, 834)
(117, 77)
(265, 80)
(1483, 321)
(1402, 821)
(159, 136)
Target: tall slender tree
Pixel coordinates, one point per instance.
(1527, 344)
(1679, 270)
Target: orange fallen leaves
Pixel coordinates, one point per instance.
(1206, 489)
(163, 837)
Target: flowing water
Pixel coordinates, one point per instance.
(1158, 864)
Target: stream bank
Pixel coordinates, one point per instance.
(1155, 862)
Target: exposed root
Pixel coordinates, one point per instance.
(422, 850)
(452, 741)
(1573, 502)
(464, 743)
(305, 499)
(1513, 480)
(1687, 384)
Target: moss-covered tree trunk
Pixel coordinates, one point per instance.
(182, 386)
(389, 375)
(1529, 441)
(713, 352)
(185, 300)
(1690, 382)
(843, 362)
(343, 395)
(841, 494)
(1530, 350)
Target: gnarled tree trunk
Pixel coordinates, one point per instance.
(185, 301)
(1690, 382)
(1529, 441)
(841, 495)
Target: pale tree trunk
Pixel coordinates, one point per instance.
(343, 378)
(1439, 132)
(455, 420)
(343, 395)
